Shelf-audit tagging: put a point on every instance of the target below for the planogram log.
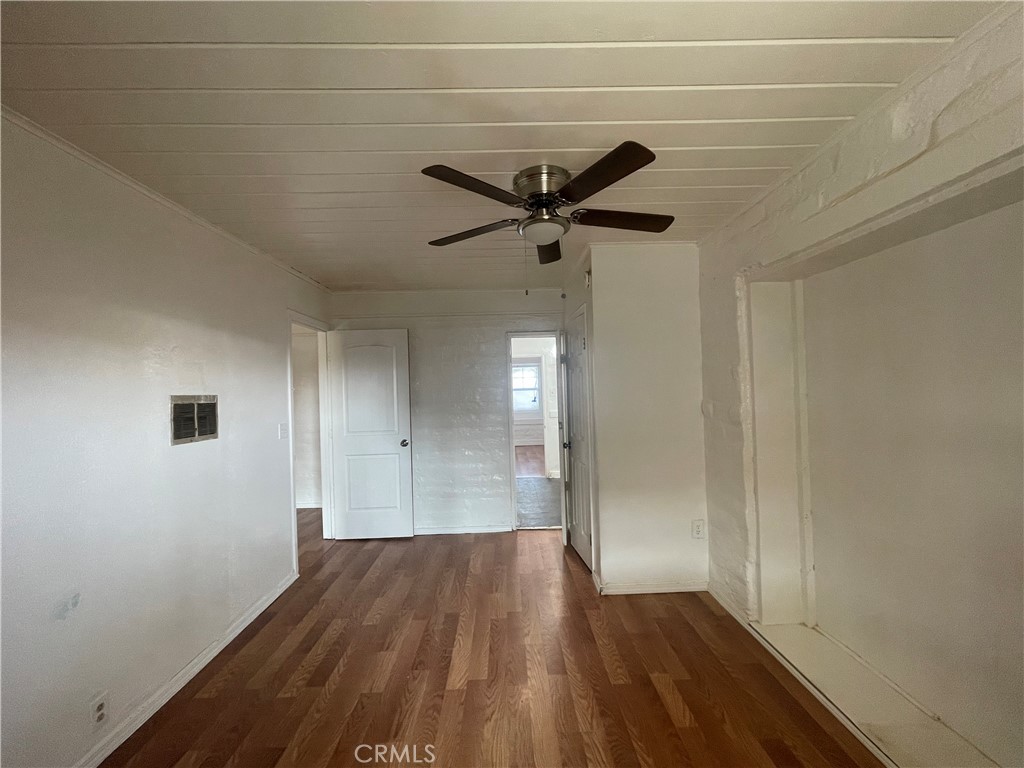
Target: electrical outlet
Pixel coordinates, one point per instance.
(98, 710)
(282, 431)
(697, 529)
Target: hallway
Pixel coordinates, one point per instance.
(493, 649)
(538, 500)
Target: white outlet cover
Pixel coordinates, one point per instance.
(99, 705)
(697, 529)
(282, 431)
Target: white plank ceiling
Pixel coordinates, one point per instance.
(301, 127)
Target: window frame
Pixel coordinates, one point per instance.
(538, 365)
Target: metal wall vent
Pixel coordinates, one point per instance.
(193, 418)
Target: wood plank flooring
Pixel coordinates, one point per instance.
(494, 650)
(529, 461)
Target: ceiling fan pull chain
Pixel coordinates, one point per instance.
(526, 269)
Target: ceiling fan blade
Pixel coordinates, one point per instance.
(460, 236)
(460, 179)
(641, 222)
(548, 254)
(617, 164)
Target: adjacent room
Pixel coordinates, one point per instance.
(308, 343)
(470, 383)
(536, 436)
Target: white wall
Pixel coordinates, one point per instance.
(306, 417)
(648, 437)
(546, 349)
(458, 362)
(914, 366)
(112, 301)
(952, 125)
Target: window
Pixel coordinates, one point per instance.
(526, 388)
(193, 418)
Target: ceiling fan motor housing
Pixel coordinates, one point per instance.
(539, 184)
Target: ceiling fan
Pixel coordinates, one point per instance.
(543, 189)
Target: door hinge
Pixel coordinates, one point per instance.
(563, 359)
(584, 342)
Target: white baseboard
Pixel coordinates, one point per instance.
(841, 716)
(650, 587)
(162, 695)
(308, 505)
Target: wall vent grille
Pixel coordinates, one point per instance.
(193, 418)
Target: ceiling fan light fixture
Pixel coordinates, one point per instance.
(543, 228)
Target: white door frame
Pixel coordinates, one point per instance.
(298, 318)
(563, 415)
(326, 439)
(556, 335)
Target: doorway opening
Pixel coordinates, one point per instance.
(535, 421)
(305, 435)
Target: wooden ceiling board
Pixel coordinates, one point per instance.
(402, 106)
(462, 22)
(458, 136)
(416, 182)
(851, 60)
(481, 214)
(505, 161)
(442, 198)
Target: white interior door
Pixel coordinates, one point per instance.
(579, 449)
(372, 458)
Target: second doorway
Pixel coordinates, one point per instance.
(536, 442)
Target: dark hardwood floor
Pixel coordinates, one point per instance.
(495, 650)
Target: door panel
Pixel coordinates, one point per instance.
(371, 403)
(369, 378)
(579, 452)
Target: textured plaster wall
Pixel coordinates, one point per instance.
(458, 364)
(956, 117)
